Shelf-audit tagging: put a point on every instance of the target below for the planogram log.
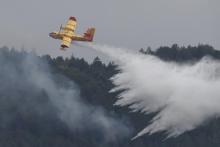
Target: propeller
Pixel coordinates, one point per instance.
(61, 27)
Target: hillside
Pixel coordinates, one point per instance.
(29, 117)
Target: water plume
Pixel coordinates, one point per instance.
(183, 96)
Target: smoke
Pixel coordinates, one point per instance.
(23, 80)
(182, 97)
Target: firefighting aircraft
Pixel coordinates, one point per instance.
(67, 34)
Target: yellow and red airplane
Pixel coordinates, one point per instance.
(67, 34)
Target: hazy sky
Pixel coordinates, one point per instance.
(122, 23)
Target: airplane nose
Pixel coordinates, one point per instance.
(51, 34)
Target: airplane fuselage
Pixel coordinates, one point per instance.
(60, 35)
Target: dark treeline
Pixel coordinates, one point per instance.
(28, 129)
(183, 54)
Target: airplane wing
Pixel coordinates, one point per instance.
(71, 24)
(68, 30)
(66, 41)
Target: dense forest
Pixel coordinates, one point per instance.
(29, 119)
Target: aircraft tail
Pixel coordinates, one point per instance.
(89, 34)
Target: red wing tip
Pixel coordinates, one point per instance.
(72, 18)
(64, 46)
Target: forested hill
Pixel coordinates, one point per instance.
(183, 54)
(28, 118)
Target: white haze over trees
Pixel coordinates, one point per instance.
(33, 74)
(182, 97)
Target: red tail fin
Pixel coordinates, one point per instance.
(89, 34)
